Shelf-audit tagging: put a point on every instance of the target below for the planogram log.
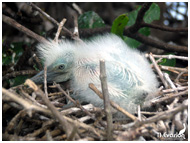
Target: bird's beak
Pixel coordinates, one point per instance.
(39, 78)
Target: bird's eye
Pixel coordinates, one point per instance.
(61, 67)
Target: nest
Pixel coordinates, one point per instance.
(32, 112)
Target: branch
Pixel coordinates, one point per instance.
(113, 104)
(164, 28)
(17, 73)
(67, 128)
(49, 17)
(23, 29)
(107, 107)
(157, 44)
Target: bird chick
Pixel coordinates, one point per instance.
(129, 75)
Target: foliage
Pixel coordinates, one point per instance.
(90, 19)
(10, 56)
(152, 14)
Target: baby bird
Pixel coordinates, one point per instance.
(129, 75)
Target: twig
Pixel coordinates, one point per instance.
(177, 88)
(73, 101)
(26, 104)
(59, 30)
(76, 30)
(170, 96)
(170, 57)
(167, 78)
(49, 17)
(158, 70)
(23, 29)
(173, 68)
(17, 73)
(107, 107)
(113, 104)
(162, 115)
(164, 28)
(45, 81)
(179, 75)
(77, 8)
(64, 124)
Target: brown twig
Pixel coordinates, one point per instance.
(158, 70)
(64, 124)
(17, 73)
(73, 101)
(45, 81)
(170, 57)
(49, 17)
(170, 96)
(113, 104)
(61, 24)
(107, 107)
(164, 28)
(23, 29)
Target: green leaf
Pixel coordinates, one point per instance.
(131, 42)
(90, 19)
(152, 14)
(119, 25)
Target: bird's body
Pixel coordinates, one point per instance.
(129, 76)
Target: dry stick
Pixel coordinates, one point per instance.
(23, 29)
(73, 101)
(173, 68)
(113, 104)
(158, 70)
(76, 31)
(49, 17)
(67, 128)
(164, 28)
(177, 88)
(26, 104)
(171, 96)
(170, 57)
(30, 106)
(59, 30)
(107, 107)
(77, 8)
(162, 115)
(45, 81)
(167, 78)
(179, 75)
(17, 73)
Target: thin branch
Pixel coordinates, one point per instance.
(45, 81)
(73, 101)
(158, 70)
(170, 96)
(164, 28)
(107, 107)
(23, 29)
(49, 17)
(113, 104)
(170, 57)
(77, 8)
(61, 24)
(17, 73)
(64, 124)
